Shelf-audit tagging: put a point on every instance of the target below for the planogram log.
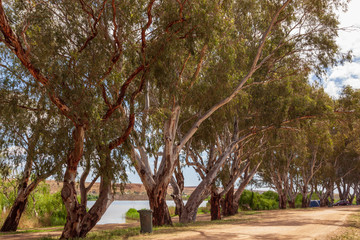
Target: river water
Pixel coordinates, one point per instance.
(116, 211)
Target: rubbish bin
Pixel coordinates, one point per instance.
(145, 220)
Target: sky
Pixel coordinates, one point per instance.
(347, 74)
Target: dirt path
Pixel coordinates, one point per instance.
(287, 224)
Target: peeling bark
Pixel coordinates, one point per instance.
(161, 215)
(12, 220)
(79, 222)
(228, 206)
(215, 206)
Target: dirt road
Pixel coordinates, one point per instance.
(289, 224)
(319, 223)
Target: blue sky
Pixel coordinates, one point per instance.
(349, 73)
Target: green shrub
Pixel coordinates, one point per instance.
(172, 210)
(298, 200)
(49, 208)
(8, 192)
(203, 210)
(91, 197)
(133, 214)
(266, 201)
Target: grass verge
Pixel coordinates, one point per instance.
(52, 229)
(134, 232)
(351, 230)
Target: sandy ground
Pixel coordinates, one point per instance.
(289, 224)
(286, 224)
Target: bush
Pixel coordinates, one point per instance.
(133, 214)
(7, 194)
(49, 208)
(172, 211)
(203, 210)
(266, 201)
(91, 197)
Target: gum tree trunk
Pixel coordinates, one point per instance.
(79, 222)
(291, 204)
(228, 203)
(304, 199)
(12, 220)
(75, 211)
(215, 206)
(177, 195)
(282, 201)
(231, 208)
(161, 215)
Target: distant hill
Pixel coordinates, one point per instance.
(132, 191)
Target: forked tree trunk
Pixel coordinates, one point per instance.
(161, 215)
(215, 209)
(324, 201)
(233, 207)
(282, 200)
(304, 199)
(177, 195)
(75, 211)
(79, 222)
(11, 222)
(291, 203)
(106, 197)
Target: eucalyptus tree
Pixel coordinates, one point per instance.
(33, 138)
(295, 100)
(91, 59)
(279, 169)
(251, 39)
(318, 149)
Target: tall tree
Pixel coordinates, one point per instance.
(91, 59)
(33, 138)
(266, 37)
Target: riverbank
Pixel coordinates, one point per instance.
(314, 223)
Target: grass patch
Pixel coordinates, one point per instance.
(352, 229)
(33, 231)
(134, 232)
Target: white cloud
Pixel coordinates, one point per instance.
(350, 39)
(348, 70)
(332, 89)
(354, 82)
(349, 73)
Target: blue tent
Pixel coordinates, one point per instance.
(315, 203)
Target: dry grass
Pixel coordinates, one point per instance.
(26, 222)
(351, 230)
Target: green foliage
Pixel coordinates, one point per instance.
(266, 201)
(172, 210)
(91, 197)
(8, 193)
(49, 208)
(203, 210)
(133, 214)
(43, 206)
